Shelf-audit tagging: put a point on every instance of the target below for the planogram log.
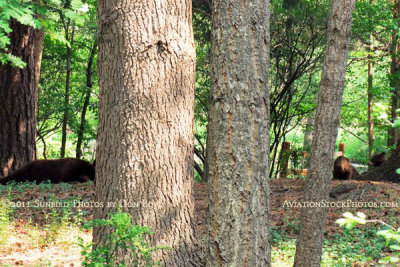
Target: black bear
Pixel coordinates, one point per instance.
(343, 170)
(55, 170)
(377, 159)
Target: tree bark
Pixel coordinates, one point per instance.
(312, 219)
(238, 228)
(89, 85)
(18, 99)
(394, 75)
(146, 70)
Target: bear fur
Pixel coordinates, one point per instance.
(377, 159)
(343, 170)
(56, 170)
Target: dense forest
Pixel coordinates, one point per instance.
(199, 133)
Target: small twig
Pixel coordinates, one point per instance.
(381, 222)
(362, 140)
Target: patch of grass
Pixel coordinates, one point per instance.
(6, 226)
(16, 186)
(291, 224)
(45, 186)
(34, 235)
(283, 253)
(343, 249)
(66, 187)
(353, 246)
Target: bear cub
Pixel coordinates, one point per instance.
(343, 170)
(377, 159)
(56, 170)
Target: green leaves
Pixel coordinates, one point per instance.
(23, 12)
(349, 220)
(124, 236)
(20, 10)
(7, 58)
(391, 235)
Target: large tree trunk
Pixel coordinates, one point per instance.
(146, 65)
(394, 75)
(386, 171)
(312, 220)
(18, 99)
(238, 219)
(89, 85)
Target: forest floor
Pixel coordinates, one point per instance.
(45, 236)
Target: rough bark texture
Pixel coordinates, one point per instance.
(386, 171)
(394, 75)
(312, 220)
(238, 136)
(89, 85)
(18, 99)
(146, 66)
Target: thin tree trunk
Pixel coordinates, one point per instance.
(394, 75)
(89, 85)
(44, 145)
(66, 96)
(370, 100)
(18, 99)
(238, 228)
(146, 70)
(312, 219)
(197, 167)
(308, 133)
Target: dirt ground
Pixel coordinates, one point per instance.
(378, 200)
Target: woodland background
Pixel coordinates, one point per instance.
(68, 101)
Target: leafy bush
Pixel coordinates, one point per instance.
(123, 237)
(391, 235)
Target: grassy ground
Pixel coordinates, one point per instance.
(48, 236)
(350, 248)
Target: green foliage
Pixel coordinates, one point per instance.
(372, 17)
(16, 186)
(391, 235)
(352, 246)
(65, 14)
(277, 235)
(61, 22)
(5, 220)
(52, 228)
(283, 252)
(59, 18)
(296, 155)
(202, 36)
(297, 47)
(124, 236)
(45, 185)
(349, 220)
(354, 115)
(23, 12)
